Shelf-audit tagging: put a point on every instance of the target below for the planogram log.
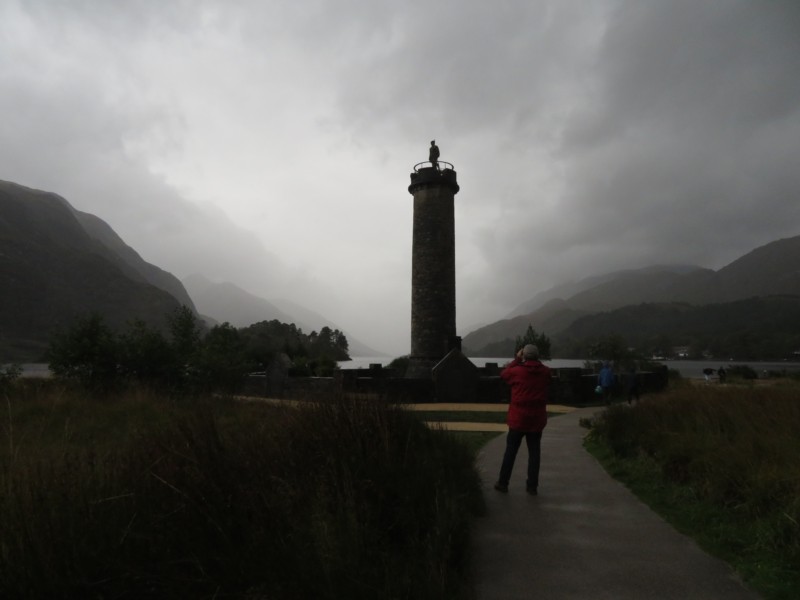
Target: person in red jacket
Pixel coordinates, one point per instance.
(529, 380)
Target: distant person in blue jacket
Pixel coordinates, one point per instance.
(606, 380)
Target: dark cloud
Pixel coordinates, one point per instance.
(684, 150)
(271, 142)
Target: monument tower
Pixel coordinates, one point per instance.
(433, 265)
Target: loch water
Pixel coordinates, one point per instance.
(687, 368)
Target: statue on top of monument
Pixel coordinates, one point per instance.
(433, 155)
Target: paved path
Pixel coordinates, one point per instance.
(585, 536)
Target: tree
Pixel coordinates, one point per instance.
(610, 348)
(340, 341)
(186, 333)
(220, 363)
(540, 340)
(329, 344)
(87, 352)
(147, 357)
(9, 374)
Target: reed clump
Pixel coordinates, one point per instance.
(725, 463)
(150, 496)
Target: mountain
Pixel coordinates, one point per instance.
(554, 316)
(759, 328)
(770, 270)
(228, 302)
(57, 263)
(130, 261)
(574, 289)
(309, 320)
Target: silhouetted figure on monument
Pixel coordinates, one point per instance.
(433, 155)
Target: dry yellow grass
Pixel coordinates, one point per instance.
(449, 407)
(467, 426)
(556, 408)
(471, 426)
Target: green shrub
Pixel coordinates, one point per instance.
(742, 372)
(400, 365)
(732, 452)
(87, 352)
(9, 374)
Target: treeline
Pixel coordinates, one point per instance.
(753, 329)
(765, 328)
(188, 356)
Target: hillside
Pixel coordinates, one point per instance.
(53, 269)
(764, 327)
(661, 275)
(129, 260)
(57, 263)
(770, 270)
(228, 302)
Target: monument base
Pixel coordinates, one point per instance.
(421, 367)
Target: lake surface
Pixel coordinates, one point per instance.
(687, 368)
(363, 362)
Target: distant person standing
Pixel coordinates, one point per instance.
(606, 380)
(529, 380)
(632, 385)
(433, 155)
(721, 374)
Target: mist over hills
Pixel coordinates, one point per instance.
(226, 301)
(102, 231)
(601, 305)
(660, 274)
(58, 263)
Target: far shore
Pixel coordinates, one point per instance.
(691, 369)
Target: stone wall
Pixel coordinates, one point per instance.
(573, 387)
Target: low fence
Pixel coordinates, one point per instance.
(570, 386)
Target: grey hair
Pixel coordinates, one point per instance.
(530, 351)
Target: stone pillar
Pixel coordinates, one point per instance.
(433, 268)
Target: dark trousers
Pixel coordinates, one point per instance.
(534, 441)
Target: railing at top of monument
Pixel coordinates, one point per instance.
(443, 166)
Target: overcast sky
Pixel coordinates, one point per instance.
(269, 142)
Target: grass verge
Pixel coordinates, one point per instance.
(723, 466)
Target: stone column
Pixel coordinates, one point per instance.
(433, 268)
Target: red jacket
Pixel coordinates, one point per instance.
(529, 382)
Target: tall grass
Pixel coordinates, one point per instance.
(146, 496)
(728, 459)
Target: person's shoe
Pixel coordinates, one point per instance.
(503, 489)
(532, 491)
